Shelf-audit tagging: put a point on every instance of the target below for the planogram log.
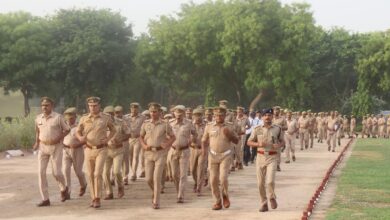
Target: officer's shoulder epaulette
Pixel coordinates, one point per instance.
(256, 126)
(229, 123)
(276, 125)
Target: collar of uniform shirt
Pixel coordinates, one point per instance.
(47, 116)
(95, 116)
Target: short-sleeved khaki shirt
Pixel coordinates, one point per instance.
(280, 121)
(95, 127)
(155, 133)
(135, 124)
(219, 143)
(199, 128)
(292, 126)
(70, 138)
(332, 123)
(50, 127)
(303, 124)
(270, 136)
(122, 130)
(182, 132)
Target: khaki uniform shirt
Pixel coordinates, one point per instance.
(219, 143)
(70, 138)
(155, 133)
(122, 130)
(303, 124)
(135, 124)
(182, 132)
(281, 122)
(381, 121)
(332, 123)
(50, 127)
(199, 128)
(270, 136)
(353, 123)
(95, 127)
(243, 123)
(292, 126)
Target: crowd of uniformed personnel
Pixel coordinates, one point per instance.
(164, 144)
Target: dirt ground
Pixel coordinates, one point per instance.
(294, 186)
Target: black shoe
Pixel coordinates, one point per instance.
(264, 208)
(293, 158)
(278, 168)
(44, 203)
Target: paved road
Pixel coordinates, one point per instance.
(294, 187)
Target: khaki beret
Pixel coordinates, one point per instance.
(198, 111)
(70, 111)
(93, 99)
(219, 111)
(109, 109)
(164, 109)
(46, 99)
(304, 112)
(200, 106)
(134, 105)
(118, 108)
(154, 106)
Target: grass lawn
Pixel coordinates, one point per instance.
(363, 190)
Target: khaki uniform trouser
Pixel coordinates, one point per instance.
(114, 160)
(126, 160)
(304, 138)
(374, 130)
(154, 165)
(266, 170)
(239, 150)
(352, 130)
(94, 162)
(45, 154)
(321, 133)
(325, 132)
(179, 163)
(311, 137)
(198, 165)
(290, 145)
(381, 130)
(331, 140)
(74, 156)
(168, 166)
(219, 166)
(369, 130)
(136, 152)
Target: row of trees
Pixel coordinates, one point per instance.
(251, 52)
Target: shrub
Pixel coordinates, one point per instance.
(20, 134)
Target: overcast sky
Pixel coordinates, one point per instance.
(353, 15)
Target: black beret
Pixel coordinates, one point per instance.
(267, 111)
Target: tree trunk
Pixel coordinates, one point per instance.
(256, 100)
(26, 103)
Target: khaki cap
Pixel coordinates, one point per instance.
(164, 109)
(277, 107)
(240, 108)
(168, 116)
(219, 111)
(118, 108)
(154, 106)
(209, 111)
(134, 105)
(146, 112)
(70, 111)
(179, 108)
(109, 109)
(188, 110)
(47, 100)
(198, 111)
(93, 99)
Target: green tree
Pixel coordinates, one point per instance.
(93, 55)
(24, 54)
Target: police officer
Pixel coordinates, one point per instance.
(268, 138)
